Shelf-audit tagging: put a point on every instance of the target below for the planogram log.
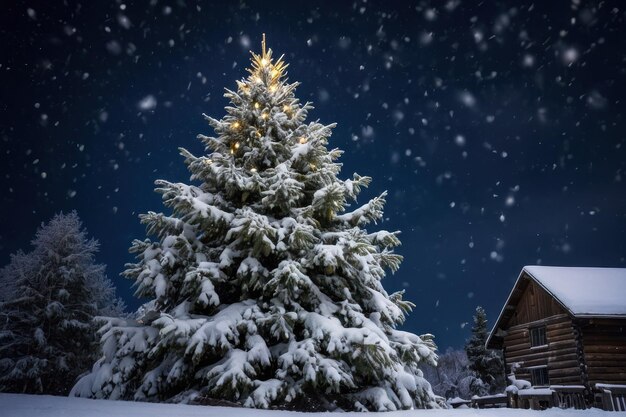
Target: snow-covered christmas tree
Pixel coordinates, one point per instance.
(49, 299)
(266, 287)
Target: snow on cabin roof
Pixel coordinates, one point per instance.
(584, 291)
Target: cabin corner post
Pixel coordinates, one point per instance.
(504, 362)
(582, 363)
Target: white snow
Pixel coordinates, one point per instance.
(584, 291)
(149, 102)
(610, 386)
(20, 405)
(534, 392)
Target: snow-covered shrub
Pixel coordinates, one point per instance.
(452, 378)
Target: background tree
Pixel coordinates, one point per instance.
(50, 296)
(266, 291)
(486, 363)
(451, 378)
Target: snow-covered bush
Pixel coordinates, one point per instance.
(452, 378)
(50, 296)
(266, 290)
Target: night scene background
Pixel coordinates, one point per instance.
(497, 127)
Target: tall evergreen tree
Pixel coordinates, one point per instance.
(50, 296)
(267, 292)
(486, 363)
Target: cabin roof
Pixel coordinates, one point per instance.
(583, 292)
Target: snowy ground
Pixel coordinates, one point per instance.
(17, 405)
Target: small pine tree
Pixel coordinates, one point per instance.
(266, 292)
(486, 363)
(51, 296)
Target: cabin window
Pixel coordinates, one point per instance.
(539, 376)
(538, 336)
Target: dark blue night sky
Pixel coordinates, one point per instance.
(497, 127)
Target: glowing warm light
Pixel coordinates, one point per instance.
(208, 161)
(261, 63)
(253, 170)
(257, 105)
(265, 116)
(236, 146)
(236, 125)
(285, 108)
(312, 166)
(302, 140)
(273, 88)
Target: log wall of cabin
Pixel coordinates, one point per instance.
(534, 304)
(562, 357)
(559, 355)
(604, 344)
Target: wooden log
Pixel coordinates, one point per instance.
(606, 349)
(561, 323)
(606, 328)
(604, 342)
(571, 363)
(606, 370)
(516, 342)
(561, 344)
(572, 371)
(606, 356)
(613, 335)
(534, 353)
(514, 348)
(551, 345)
(516, 335)
(565, 380)
(562, 320)
(535, 362)
(594, 363)
(607, 380)
(560, 338)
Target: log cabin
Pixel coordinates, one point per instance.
(566, 328)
